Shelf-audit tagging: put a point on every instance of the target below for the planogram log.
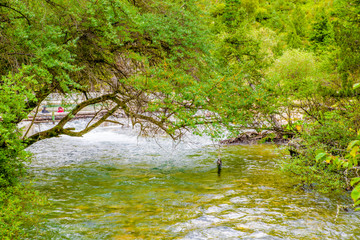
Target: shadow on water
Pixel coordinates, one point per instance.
(112, 185)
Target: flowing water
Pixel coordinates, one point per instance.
(111, 184)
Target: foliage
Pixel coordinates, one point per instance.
(347, 34)
(149, 58)
(312, 86)
(236, 48)
(16, 200)
(296, 71)
(348, 162)
(13, 96)
(313, 175)
(323, 33)
(15, 204)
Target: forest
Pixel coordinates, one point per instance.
(290, 67)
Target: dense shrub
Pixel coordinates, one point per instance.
(16, 202)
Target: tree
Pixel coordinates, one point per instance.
(347, 36)
(148, 60)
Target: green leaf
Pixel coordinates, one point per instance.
(357, 203)
(355, 194)
(352, 144)
(320, 156)
(354, 181)
(354, 151)
(356, 85)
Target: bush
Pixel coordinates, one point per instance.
(313, 175)
(15, 204)
(295, 65)
(332, 136)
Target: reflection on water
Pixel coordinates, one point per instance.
(112, 185)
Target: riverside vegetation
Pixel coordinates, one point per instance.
(245, 63)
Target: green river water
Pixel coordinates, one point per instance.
(111, 184)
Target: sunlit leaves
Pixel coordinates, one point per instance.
(355, 194)
(356, 85)
(352, 144)
(14, 93)
(350, 161)
(320, 156)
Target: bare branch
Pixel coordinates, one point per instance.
(32, 122)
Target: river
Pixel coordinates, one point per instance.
(112, 184)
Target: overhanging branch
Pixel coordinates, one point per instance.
(59, 128)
